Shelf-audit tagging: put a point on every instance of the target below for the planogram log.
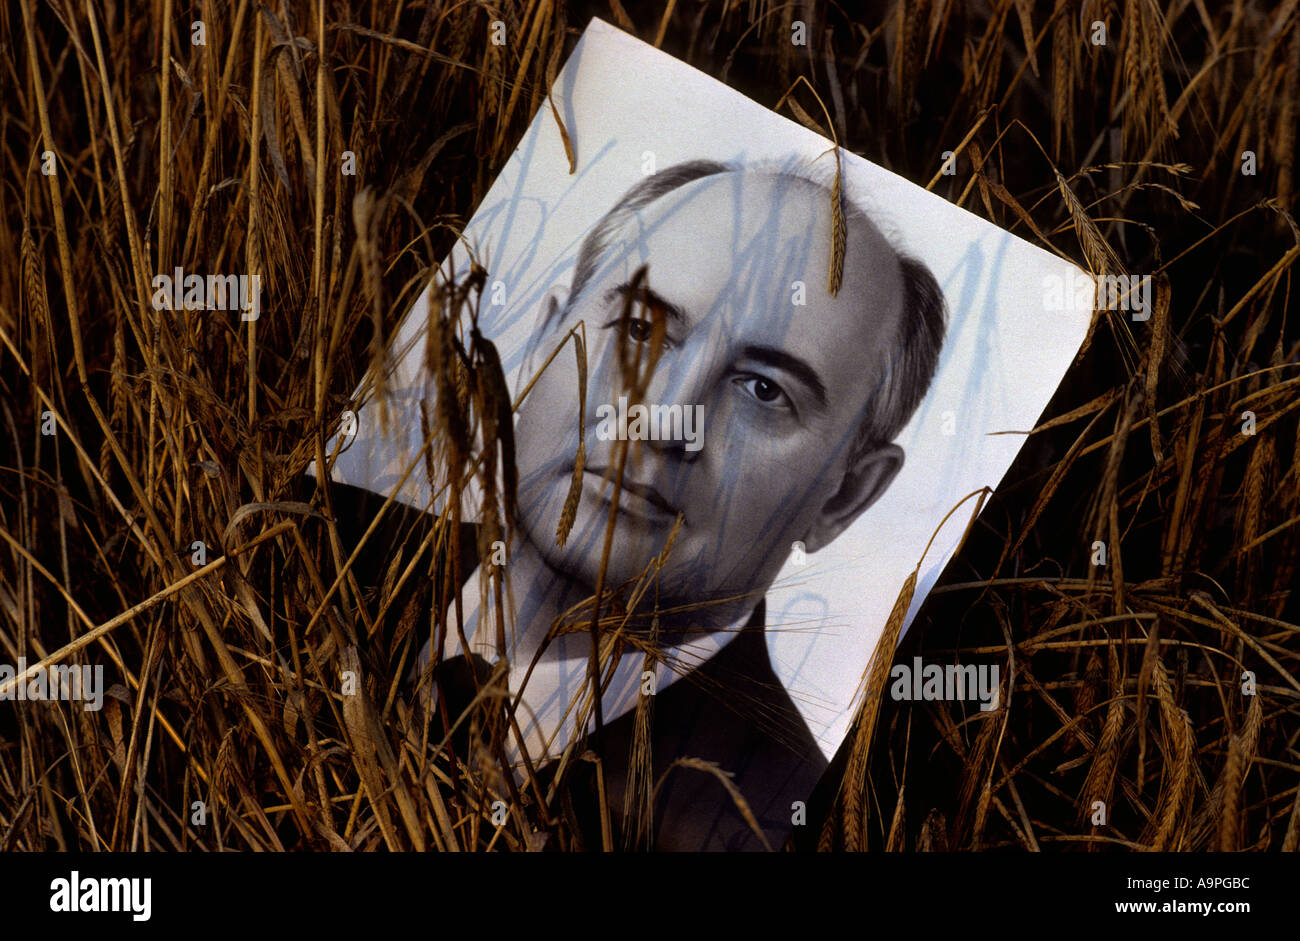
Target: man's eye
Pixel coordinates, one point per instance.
(639, 330)
(765, 390)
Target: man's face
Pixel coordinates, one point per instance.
(784, 373)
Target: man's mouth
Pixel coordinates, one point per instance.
(637, 498)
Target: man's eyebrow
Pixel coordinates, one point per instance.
(780, 359)
(674, 312)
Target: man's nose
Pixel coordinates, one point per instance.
(683, 377)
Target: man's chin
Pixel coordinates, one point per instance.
(633, 550)
(687, 602)
(622, 575)
(679, 622)
(669, 609)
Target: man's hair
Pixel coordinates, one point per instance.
(910, 365)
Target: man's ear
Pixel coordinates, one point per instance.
(546, 319)
(865, 479)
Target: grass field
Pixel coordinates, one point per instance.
(130, 433)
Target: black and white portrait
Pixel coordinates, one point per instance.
(794, 367)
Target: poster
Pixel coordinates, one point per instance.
(800, 446)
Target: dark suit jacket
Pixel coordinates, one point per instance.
(735, 712)
(732, 711)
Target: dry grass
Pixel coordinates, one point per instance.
(1122, 684)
